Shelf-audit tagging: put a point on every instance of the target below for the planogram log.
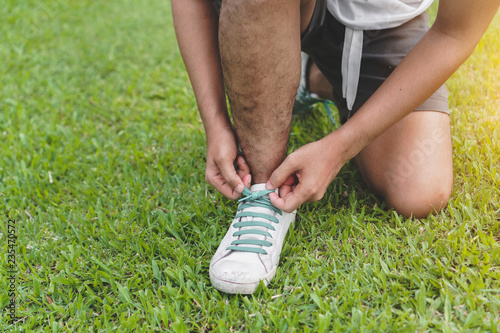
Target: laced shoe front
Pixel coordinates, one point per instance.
(250, 251)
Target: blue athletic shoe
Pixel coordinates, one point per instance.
(304, 100)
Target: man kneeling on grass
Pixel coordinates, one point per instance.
(377, 60)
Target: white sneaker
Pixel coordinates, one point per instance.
(250, 251)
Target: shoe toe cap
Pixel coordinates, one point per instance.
(237, 271)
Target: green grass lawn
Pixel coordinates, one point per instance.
(102, 170)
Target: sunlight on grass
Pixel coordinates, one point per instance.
(103, 171)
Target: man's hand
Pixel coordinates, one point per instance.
(226, 171)
(305, 175)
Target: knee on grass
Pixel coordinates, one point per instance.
(419, 198)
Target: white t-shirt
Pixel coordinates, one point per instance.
(359, 15)
(376, 14)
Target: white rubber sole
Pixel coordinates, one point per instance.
(230, 287)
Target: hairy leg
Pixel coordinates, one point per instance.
(260, 55)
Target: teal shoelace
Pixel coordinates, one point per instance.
(252, 200)
(304, 102)
(326, 104)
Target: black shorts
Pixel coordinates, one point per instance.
(383, 50)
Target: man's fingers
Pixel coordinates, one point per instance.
(244, 168)
(230, 176)
(247, 180)
(285, 189)
(220, 185)
(291, 180)
(288, 186)
(229, 192)
(288, 203)
(282, 174)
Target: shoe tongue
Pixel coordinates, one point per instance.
(258, 187)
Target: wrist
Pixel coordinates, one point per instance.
(217, 125)
(219, 131)
(341, 145)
